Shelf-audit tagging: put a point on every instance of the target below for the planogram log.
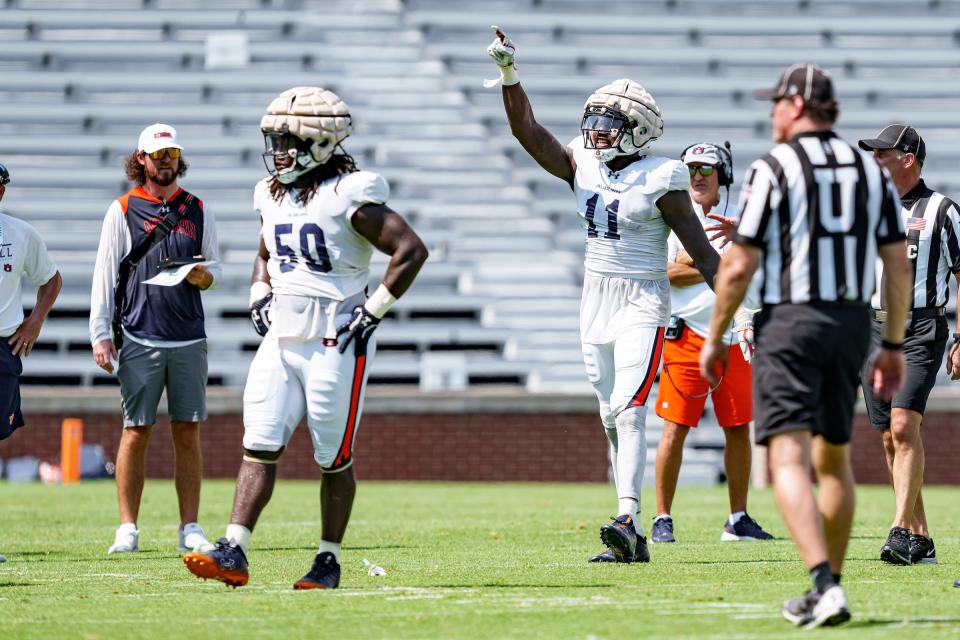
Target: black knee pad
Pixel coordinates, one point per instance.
(262, 457)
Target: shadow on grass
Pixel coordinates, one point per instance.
(523, 585)
(902, 622)
(4, 585)
(760, 561)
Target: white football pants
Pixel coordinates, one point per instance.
(290, 378)
(622, 373)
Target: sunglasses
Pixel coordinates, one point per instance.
(159, 153)
(705, 171)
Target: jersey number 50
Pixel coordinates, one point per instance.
(312, 253)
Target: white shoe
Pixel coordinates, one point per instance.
(192, 538)
(830, 610)
(127, 540)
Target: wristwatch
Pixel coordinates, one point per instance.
(956, 338)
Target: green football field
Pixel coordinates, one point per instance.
(462, 560)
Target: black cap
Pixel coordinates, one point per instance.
(4, 176)
(902, 137)
(808, 81)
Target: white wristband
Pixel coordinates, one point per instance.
(508, 75)
(380, 302)
(258, 291)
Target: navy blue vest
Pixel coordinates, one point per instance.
(162, 313)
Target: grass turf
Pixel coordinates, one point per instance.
(463, 560)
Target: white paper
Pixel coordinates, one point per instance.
(171, 277)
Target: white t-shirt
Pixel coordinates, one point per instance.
(314, 250)
(695, 303)
(22, 254)
(625, 234)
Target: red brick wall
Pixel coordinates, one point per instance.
(453, 446)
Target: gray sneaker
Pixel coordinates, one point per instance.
(662, 530)
(814, 609)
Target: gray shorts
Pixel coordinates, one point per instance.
(144, 372)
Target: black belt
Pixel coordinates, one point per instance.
(916, 314)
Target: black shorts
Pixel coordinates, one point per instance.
(923, 347)
(806, 368)
(11, 367)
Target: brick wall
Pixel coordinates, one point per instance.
(472, 446)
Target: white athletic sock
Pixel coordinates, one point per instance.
(662, 516)
(128, 526)
(735, 517)
(631, 456)
(239, 534)
(332, 547)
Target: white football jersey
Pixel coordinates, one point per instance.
(314, 250)
(625, 233)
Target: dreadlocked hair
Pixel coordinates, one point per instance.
(339, 164)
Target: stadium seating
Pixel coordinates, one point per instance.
(82, 77)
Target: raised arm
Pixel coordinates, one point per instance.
(533, 137)
(678, 213)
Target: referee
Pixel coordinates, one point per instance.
(932, 223)
(815, 212)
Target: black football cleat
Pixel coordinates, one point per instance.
(324, 574)
(620, 537)
(226, 563)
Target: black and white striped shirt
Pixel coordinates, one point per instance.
(817, 208)
(932, 223)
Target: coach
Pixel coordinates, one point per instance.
(159, 331)
(22, 254)
(815, 212)
(932, 224)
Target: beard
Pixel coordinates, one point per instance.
(162, 177)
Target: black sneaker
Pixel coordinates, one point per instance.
(746, 528)
(621, 538)
(226, 563)
(922, 550)
(897, 548)
(642, 553)
(324, 574)
(662, 530)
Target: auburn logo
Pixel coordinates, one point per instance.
(8, 267)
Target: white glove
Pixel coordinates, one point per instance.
(745, 336)
(743, 325)
(503, 51)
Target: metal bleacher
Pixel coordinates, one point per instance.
(80, 78)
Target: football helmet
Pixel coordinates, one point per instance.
(624, 113)
(306, 124)
(4, 176)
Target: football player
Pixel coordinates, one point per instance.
(628, 201)
(321, 218)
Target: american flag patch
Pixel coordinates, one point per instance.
(915, 224)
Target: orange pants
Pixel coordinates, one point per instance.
(683, 391)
